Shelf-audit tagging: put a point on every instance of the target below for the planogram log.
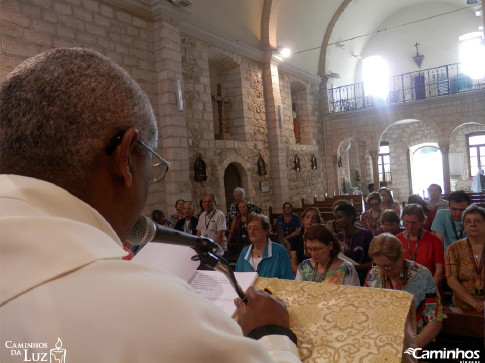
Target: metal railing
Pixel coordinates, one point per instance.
(422, 84)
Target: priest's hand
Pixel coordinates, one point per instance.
(261, 309)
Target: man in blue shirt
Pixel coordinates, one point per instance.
(447, 224)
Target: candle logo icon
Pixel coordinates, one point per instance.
(58, 354)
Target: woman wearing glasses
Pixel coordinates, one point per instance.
(267, 258)
(465, 272)
(325, 266)
(392, 271)
(371, 219)
(420, 245)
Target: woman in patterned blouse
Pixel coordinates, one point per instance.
(464, 262)
(325, 266)
(392, 271)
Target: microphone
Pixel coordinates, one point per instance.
(145, 230)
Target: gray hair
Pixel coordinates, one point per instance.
(473, 209)
(240, 190)
(60, 109)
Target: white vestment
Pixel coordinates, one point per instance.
(62, 277)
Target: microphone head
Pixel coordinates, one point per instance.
(142, 232)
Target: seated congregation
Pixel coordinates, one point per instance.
(432, 249)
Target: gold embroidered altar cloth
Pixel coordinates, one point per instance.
(347, 324)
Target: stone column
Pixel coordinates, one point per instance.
(445, 151)
(277, 147)
(172, 128)
(374, 155)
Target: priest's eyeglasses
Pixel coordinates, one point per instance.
(160, 166)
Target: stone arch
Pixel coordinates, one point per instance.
(227, 97)
(328, 33)
(349, 156)
(402, 134)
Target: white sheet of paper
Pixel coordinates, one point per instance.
(212, 285)
(167, 257)
(215, 286)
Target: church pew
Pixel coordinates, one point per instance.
(467, 323)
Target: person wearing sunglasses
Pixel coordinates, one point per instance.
(392, 271)
(78, 153)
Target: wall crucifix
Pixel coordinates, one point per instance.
(220, 108)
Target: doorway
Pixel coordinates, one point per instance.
(426, 168)
(232, 180)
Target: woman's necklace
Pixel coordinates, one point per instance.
(413, 256)
(478, 269)
(322, 276)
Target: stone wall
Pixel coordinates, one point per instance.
(443, 120)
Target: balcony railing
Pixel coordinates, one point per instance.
(427, 83)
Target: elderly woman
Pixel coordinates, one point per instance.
(355, 240)
(390, 222)
(388, 200)
(267, 258)
(232, 212)
(188, 224)
(325, 266)
(419, 244)
(309, 217)
(371, 219)
(465, 272)
(392, 271)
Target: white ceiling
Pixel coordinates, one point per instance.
(302, 24)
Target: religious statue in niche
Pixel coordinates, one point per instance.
(261, 166)
(297, 163)
(200, 169)
(296, 123)
(313, 162)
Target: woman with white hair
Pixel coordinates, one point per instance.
(232, 212)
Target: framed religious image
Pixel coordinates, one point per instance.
(264, 187)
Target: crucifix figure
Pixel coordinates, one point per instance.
(416, 45)
(220, 105)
